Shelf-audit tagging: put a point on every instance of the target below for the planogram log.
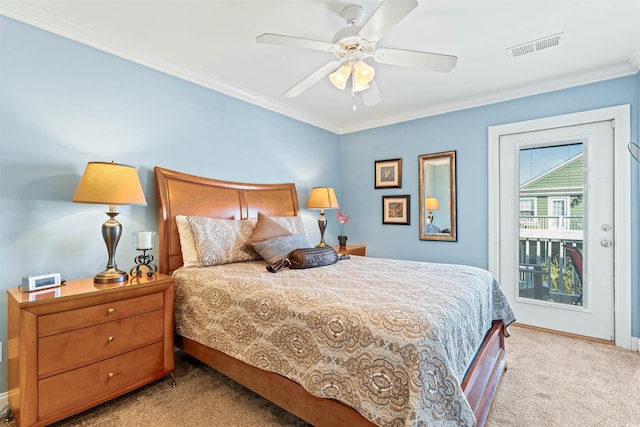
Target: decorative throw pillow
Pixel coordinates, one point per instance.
(266, 228)
(306, 258)
(187, 244)
(312, 257)
(221, 241)
(272, 250)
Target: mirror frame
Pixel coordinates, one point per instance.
(452, 236)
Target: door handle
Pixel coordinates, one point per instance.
(606, 243)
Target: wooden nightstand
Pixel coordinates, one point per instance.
(78, 345)
(352, 250)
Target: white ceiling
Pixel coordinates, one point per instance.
(213, 43)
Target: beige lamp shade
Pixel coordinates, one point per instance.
(432, 204)
(110, 184)
(322, 198)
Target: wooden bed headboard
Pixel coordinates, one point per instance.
(183, 194)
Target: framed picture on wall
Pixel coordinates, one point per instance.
(395, 209)
(388, 173)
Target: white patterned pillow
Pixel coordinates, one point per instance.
(221, 241)
(294, 224)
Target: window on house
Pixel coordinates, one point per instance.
(527, 207)
(558, 208)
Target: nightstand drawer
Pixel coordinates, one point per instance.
(68, 350)
(84, 387)
(72, 319)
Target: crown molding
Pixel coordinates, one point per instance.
(593, 76)
(40, 18)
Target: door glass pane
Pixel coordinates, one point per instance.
(551, 219)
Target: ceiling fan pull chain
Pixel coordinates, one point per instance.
(353, 97)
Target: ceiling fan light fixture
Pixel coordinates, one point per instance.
(357, 42)
(357, 87)
(363, 73)
(340, 77)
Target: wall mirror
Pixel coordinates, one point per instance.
(438, 196)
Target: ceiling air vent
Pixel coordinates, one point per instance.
(534, 46)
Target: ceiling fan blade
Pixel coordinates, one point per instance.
(300, 42)
(386, 16)
(413, 58)
(312, 79)
(371, 96)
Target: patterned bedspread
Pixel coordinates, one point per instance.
(392, 339)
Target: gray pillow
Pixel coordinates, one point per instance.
(278, 248)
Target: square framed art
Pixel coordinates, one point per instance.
(388, 173)
(395, 209)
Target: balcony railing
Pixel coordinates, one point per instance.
(560, 223)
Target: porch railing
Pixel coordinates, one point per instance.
(573, 223)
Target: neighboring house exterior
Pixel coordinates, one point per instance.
(551, 215)
(551, 203)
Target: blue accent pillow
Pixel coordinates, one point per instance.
(277, 248)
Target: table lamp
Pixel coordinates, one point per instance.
(431, 204)
(322, 198)
(110, 184)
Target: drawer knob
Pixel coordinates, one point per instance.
(111, 374)
(110, 338)
(111, 310)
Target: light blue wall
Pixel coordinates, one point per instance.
(466, 132)
(64, 104)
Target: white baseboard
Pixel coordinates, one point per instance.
(635, 344)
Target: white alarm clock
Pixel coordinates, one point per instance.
(44, 281)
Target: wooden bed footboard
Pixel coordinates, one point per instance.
(482, 378)
(479, 384)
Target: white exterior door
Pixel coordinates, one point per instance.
(592, 310)
(527, 258)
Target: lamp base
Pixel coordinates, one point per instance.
(111, 275)
(322, 224)
(111, 231)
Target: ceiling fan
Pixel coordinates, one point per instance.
(355, 44)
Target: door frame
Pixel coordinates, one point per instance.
(621, 116)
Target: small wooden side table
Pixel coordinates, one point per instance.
(82, 344)
(360, 250)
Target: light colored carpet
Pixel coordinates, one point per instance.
(551, 380)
